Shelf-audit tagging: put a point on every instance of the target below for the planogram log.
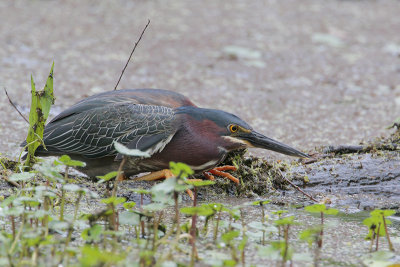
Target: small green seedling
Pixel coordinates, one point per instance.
(284, 247)
(180, 169)
(67, 161)
(228, 239)
(261, 203)
(107, 177)
(377, 225)
(321, 208)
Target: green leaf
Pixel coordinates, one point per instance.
(113, 200)
(316, 208)
(47, 98)
(270, 252)
(73, 188)
(28, 201)
(280, 212)
(58, 225)
(235, 213)
(66, 160)
(385, 213)
(230, 262)
(140, 191)
(199, 210)
(258, 225)
(260, 202)
(50, 172)
(242, 243)
(39, 214)
(23, 176)
(216, 206)
(229, 236)
(199, 183)
(331, 211)
(93, 256)
(281, 246)
(310, 235)
(129, 205)
(39, 111)
(180, 169)
(8, 201)
(169, 185)
(285, 221)
(92, 234)
(108, 176)
(14, 211)
(373, 223)
(166, 186)
(154, 207)
(129, 218)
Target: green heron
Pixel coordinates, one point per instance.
(165, 124)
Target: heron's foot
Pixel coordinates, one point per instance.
(220, 171)
(122, 177)
(163, 174)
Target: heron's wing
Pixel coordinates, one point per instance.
(156, 97)
(90, 103)
(91, 133)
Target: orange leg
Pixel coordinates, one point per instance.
(219, 171)
(226, 168)
(163, 174)
(209, 176)
(122, 177)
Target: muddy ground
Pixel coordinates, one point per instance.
(309, 74)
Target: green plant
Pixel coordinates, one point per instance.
(261, 203)
(195, 211)
(40, 108)
(321, 209)
(377, 225)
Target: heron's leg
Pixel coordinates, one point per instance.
(226, 168)
(219, 171)
(122, 178)
(163, 174)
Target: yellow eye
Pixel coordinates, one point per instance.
(233, 128)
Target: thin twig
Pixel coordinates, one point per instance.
(119, 176)
(387, 234)
(297, 188)
(11, 182)
(133, 50)
(15, 107)
(345, 149)
(377, 237)
(114, 222)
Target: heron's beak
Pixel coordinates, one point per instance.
(258, 140)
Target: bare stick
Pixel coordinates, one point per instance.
(297, 188)
(387, 234)
(344, 149)
(14, 106)
(11, 182)
(133, 50)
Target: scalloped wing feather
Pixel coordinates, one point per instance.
(91, 133)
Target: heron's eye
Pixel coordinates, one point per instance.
(233, 128)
